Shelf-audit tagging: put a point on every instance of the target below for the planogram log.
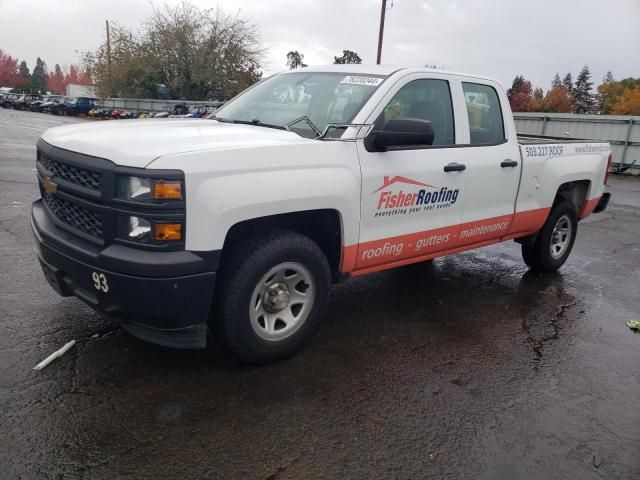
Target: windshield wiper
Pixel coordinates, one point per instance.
(255, 122)
(308, 121)
(221, 120)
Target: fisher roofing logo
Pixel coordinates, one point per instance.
(423, 199)
(397, 179)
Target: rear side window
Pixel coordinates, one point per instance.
(425, 100)
(485, 115)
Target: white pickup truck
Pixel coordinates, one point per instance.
(240, 224)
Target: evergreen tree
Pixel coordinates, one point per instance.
(39, 76)
(26, 76)
(567, 82)
(608, 78)
(608, 92)
(582, 91)
(556, 81)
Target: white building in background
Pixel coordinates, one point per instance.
(74, 90)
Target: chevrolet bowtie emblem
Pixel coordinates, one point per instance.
(49, 185)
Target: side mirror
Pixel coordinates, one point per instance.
(401, 132)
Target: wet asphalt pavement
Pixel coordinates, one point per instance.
(468, 367)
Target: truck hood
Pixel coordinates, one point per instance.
(137, 143)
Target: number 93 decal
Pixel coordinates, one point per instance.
(100, 281)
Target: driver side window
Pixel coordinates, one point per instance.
(425, 100)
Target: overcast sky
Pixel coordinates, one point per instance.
(497, 38)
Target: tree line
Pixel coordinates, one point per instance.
(187, 52)
(612, 97)
(16, 74)
(295, 59)
(181, 52)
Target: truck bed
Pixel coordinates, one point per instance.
(545, 139)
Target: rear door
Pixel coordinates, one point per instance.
(492, 158)
(411, 203)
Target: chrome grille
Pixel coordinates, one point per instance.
(79, 176)
(80, 218)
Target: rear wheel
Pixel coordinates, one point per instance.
(273, 293)
(554, 241)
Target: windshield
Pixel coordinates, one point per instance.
(324, 98)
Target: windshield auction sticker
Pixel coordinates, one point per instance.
(361, 80)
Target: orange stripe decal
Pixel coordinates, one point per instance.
(391, 252)
(349, 255)
(528, 222)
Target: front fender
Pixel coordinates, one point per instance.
(227, 187)
(223, 202)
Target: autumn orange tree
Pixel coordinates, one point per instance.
(9, 71)
(613, 97)
(523, 98)
(60, 77)
(627, 103)
(558, 100)
(56, 80)
(520, 94)
(537, 104)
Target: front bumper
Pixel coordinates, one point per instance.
(161, 297)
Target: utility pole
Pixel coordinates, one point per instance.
(381, 32)
(108, 48)
(108, 58)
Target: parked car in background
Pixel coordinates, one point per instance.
(75, 106)
(48, 104)
(100, 112)
(179, 110)
(81, 106)
(214, 106)
(24, 102)
(8, 100)
(37, 105)
(199, 112)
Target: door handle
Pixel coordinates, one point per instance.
(509, 163)
(455, 167)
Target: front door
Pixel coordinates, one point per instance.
(411, 199)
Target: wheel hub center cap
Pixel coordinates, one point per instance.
(276, 297)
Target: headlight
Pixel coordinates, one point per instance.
(138, 229)
(140, 189)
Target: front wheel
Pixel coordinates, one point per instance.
(554, 241)
(274, 290)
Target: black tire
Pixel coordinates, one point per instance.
(539, 256)
(241, 273)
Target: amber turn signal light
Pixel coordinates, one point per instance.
(166, 190)
(166, 231)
